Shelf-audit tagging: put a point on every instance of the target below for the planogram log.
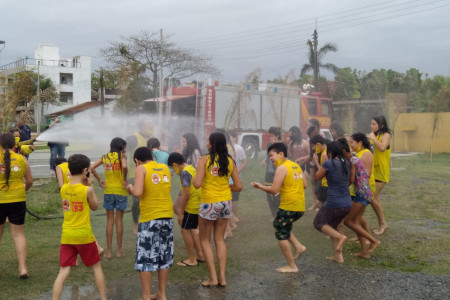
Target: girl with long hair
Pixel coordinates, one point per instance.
(190, 149)
(338, 204)
(213, 173)
(14, 169)
(380, 137)
(115, 196)
(298, 150)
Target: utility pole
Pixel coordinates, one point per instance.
(102, 93)
(316, 63)
(37, 106)
(160, 77)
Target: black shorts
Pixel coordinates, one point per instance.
(235, 196)
(322, 194)
(15, 212)
(330, 216)
(190, 221)
(376, 180)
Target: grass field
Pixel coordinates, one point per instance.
(417, 240)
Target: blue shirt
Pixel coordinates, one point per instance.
(338, 194)
(160, 156)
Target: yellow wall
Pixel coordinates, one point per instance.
(412, 132)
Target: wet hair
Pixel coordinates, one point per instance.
(314, 122)
(344, 144)
(143, 154)
(278, 147)
(361, 137)
(219, 152)
(117, 145)
(7, 141)
(317, 139)
(59, 160)
(153, 143)
(296, 136)
(175, 158)
(382, 125)
(276, 131)
(340, 132)
(191, 145)
(334, 151)
(310, 130)
(77, 163)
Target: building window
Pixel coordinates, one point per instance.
(312, 107)
(66, 98)
(63, 80)
(325, 108)
(66, 78)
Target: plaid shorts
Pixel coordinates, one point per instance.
(154, 245)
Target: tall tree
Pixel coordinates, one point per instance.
(346, 85)
(147, 50)
(315, 59)
(111, 79)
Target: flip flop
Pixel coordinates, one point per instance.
(200, 260)
(24, 276)
(185, 264)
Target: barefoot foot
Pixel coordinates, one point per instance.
(380, 230)
(336, 259)
(299, 252)
(209, 283)
(373, 246)
(365, 255)
(287, 269)
(340, 244)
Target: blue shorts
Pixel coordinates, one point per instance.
(214, 211)
(112, 201)
(360, 199)
(154, 245)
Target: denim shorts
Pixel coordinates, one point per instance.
(154, 245)
(360, 199)
(214, 211)
(112, 201)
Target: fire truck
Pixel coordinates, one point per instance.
(250, 110)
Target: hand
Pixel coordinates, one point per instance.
(129, 188)
(256, 184)
(316, 158)
(180, 219)
(371, 136)
(88, 181)
(101, 183)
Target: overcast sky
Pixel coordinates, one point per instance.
(242, 35)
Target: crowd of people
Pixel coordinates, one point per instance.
(346, 175)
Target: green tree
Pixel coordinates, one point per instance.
(374, 85)
(346, 85)
(111, 79)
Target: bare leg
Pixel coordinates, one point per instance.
(109, 232)
(20, 243)
(59, 282)
(205, 228)
(99, 279)
(196, 240)
(146, 283)
(119, 232)
(299, 249)
(286, 250)
(221, 249)
(162, 284)
(338, 241)
(378, 208)
(353, 221)
(189, 243)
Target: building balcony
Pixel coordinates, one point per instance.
(31, 62)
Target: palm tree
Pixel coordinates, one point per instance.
(315, 59)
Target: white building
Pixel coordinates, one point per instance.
(71, 76)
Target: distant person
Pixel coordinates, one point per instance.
(320, 156)
(24, 129)
(311, 168)
(188, 210)
(61, 166)
(15, 180)
(272, 199)
(57, 148)
(154, 245)
(314, 122)
(380, 137)
(78, 199)
(298, 148)
(213, 173)
(338, 203)
(25, 150)
(159, 155)
(290, 183)
(190, 149)
(138, 139)
(115, 196)
(337, 131)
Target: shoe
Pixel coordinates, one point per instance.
(185, 264)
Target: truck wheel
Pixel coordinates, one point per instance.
(251, 149)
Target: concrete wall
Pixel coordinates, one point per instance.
(412, 132)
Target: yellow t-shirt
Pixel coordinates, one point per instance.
(372, 176)
(381, 162)
(15, 190)
(76, 228)
(216, 188)
(193, 204)
(292, 192)
(156, 202)
(141, 142)
(113, 174)
(66, 172)
(322, 160)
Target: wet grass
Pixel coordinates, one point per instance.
(417, 240)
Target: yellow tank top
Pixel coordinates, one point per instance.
(193, 204)
(76, 228)
(216, 188)
(292, 192)
(322, 160)
(156, 202)
(15, 190)
(141, 142)
(66, 172)
(113, 174)
(381, 162)
(372, 176)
